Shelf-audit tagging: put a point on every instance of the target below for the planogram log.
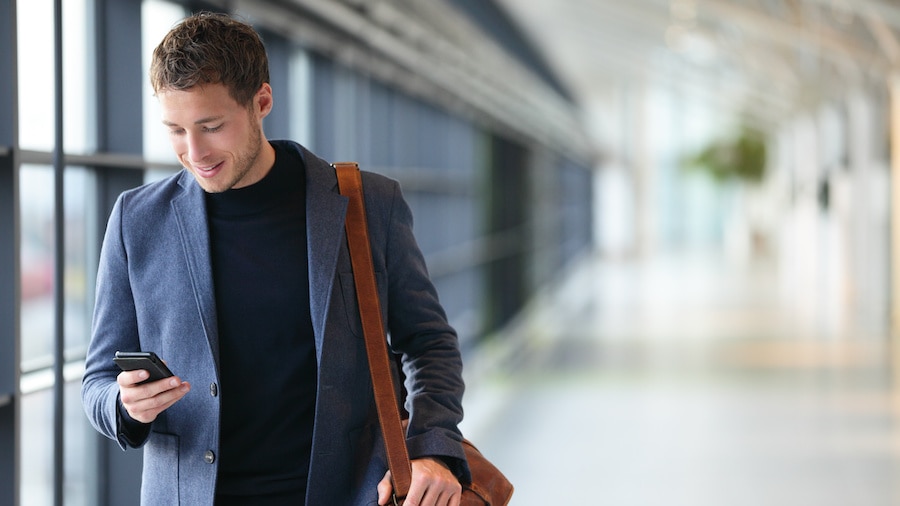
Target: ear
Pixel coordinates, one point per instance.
(263, 100)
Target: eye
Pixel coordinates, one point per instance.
(212, 130)
(176, 131)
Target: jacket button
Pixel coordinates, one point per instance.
(213, 389)
(209, 457)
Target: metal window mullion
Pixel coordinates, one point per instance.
(10, 439)
(59, 263)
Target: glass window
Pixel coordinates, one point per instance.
(37, 250)
(36, 421)
(79, 100)
(301, 98)
(81, 253)
(36, 75)
(36, 461)
(37, 245)
(349, 105)
(157, 18)
(81, 473)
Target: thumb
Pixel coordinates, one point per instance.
(384, 489)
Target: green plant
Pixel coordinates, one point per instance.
(742, 158)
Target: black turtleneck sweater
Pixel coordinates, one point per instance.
(267, 359)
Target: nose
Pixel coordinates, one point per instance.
(197, 149)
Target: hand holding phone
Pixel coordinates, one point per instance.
(145, 403)
(146, 360)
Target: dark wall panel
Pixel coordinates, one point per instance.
(507, 217)
(278, 123)
(7, 75)
(120, 76)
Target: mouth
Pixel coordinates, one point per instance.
(208, 171)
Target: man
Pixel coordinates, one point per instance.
(236, 272)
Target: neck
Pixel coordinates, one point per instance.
(266, 158)
(262, 163)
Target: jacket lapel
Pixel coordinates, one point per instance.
(325, 210)
(190, 214)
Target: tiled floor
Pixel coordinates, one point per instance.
(685, 381)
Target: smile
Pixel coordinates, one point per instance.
(208, 171)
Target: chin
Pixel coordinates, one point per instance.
(210, 186)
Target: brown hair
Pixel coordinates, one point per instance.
(211, 48)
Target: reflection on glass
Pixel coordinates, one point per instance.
(81, 254)
(37, 250)
(36, 215)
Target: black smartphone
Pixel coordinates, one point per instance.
(147, 360)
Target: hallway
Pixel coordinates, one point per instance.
(685, 381)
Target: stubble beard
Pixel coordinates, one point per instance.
(243, 163)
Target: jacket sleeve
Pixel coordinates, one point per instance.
(114, 328)
(429, 346)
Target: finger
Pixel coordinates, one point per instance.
(384, 489)
(131, 378)
(451, 497)
(417, 493)
(146, 409)
(133, 392)
(147, 399)
(439, 494)
(432, 484)
(431, 496)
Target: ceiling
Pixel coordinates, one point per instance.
(761, 59)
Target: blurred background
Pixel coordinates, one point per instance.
(664, 229)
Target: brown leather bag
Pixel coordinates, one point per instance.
(489, 487)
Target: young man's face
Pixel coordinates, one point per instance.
(218, 140)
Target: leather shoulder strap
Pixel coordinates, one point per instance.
(350, 184)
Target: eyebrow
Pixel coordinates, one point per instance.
(198, 122)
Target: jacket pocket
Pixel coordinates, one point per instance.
(351, 305)
(160, 477)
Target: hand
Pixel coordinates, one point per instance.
(432, 485)
(145, 402)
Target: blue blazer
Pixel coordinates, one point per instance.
(155, 293)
